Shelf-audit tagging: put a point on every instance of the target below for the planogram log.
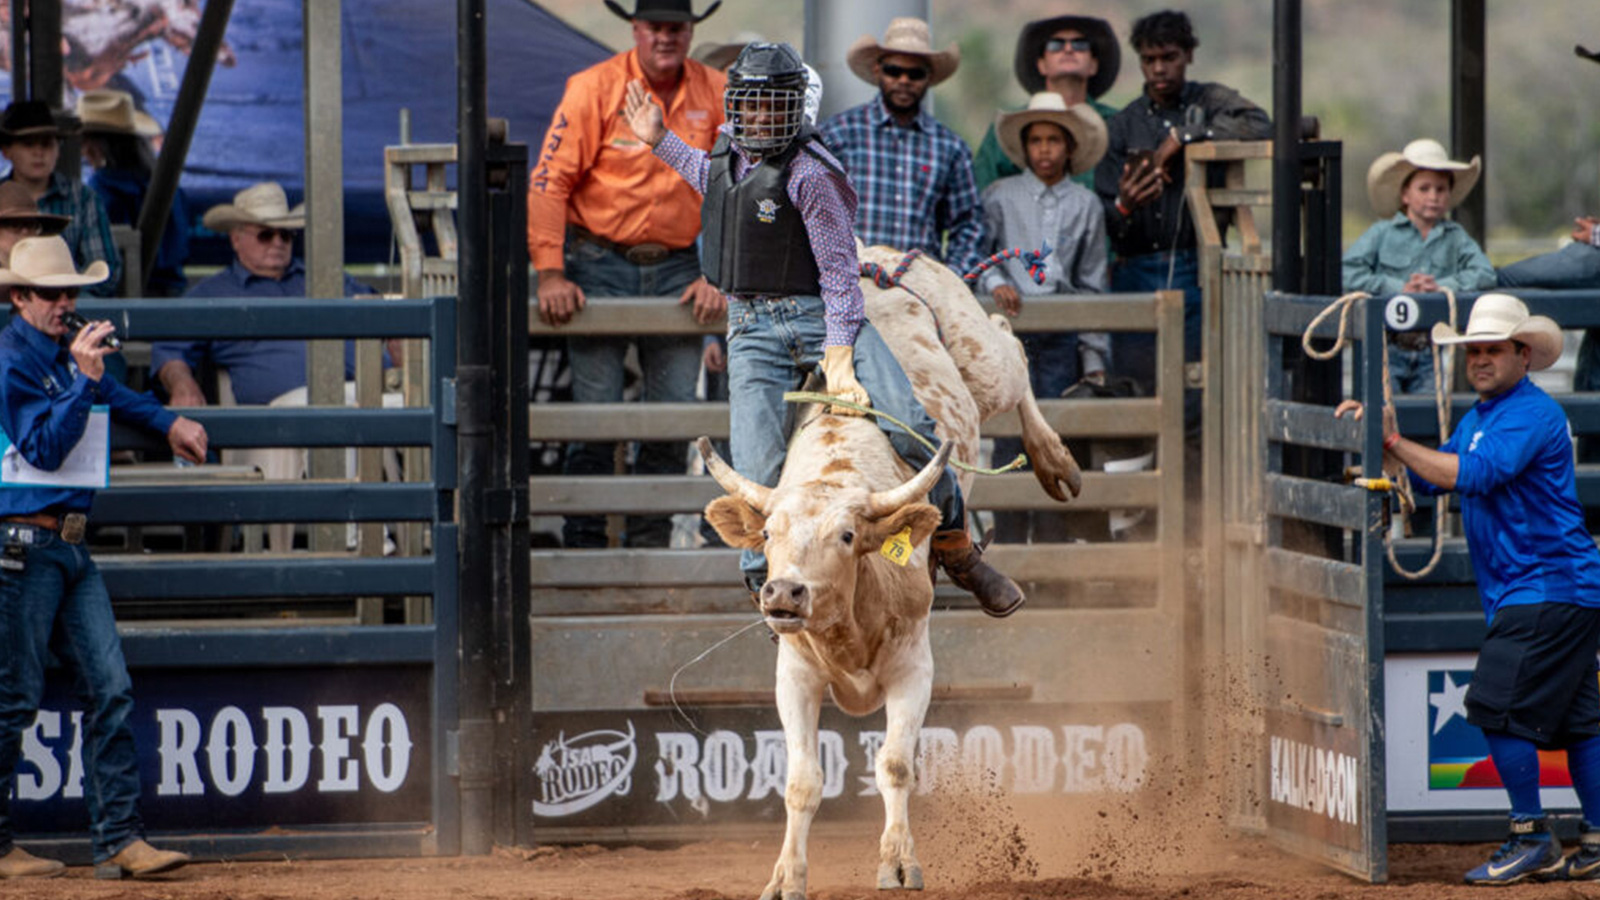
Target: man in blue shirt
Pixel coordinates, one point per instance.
(1538, 573)
(52, 600)
(913, 175)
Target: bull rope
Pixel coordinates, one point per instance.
(672, 684)
(831, 400)
(1401, 484)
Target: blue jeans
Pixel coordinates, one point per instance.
(1134, 353)
(1411, 371)
(1052, 368)
(59, 605)
(772, 344)
(670, 365)
(1573, 266)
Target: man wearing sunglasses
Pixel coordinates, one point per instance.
(912, 174)
(1075, 56)
(52, 599)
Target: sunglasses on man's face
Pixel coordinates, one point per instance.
(1056, 45)
(268, 235)
(52, 294)
(915, 73)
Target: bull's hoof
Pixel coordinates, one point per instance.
(895, 877)
(776, 891)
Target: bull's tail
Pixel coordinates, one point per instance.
(1052, 462)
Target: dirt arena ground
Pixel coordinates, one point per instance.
(841, 869)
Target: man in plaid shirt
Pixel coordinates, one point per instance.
(913, 175)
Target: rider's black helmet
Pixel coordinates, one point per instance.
(764, 101)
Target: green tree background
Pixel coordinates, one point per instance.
(1376, 73)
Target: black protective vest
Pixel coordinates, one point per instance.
(753, 240)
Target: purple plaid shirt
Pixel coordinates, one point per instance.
(916, 183)
(827, 204)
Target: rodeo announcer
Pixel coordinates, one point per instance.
(778, 241)
(52, 600)
(1534, 688)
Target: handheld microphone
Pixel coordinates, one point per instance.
(75, 322)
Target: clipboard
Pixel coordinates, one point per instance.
(88, 465)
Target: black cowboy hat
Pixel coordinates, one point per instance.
(1102, 42)
(28, 117)
(662, 10)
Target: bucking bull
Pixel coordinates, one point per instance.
(846, 532)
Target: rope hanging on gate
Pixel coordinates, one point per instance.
(1400, 484)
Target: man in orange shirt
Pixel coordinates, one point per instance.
(607, 219)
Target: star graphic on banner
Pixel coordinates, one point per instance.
(1450, 702)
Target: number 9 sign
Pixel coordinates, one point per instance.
(1401, 313)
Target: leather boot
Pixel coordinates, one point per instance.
(962, 560)
(19, 863)
(139, 859)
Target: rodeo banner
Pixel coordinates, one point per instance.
(720, 765)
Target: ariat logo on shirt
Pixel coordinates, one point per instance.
(1472, 446)
(766, 211)
(695, 115)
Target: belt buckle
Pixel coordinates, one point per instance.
(73, 526)
(646, 254)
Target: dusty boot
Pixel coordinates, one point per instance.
(139, 859)
(19, 863)
(963, 562)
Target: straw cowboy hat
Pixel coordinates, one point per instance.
(904, 35)
(1102, 43)
(258, 204)
(1390, 170)
(113, 112)
(1502, 317)
(46, 262)
(17, 208)
(1080, 120)
(662, 10)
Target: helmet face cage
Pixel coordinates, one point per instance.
(765, 117)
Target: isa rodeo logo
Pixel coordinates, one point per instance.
(1458, 755)
(575, 773)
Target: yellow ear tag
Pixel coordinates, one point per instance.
(897, 549)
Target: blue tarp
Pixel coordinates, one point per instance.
(397, 53)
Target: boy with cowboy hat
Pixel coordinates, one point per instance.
(54, 601)
(1045, 206)
(1414, 248)
(1534, 688)
(30, 139)
(913, 175)
(1075, 56)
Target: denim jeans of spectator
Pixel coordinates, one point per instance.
(772, 344)
(670, 365)
(1411, 371)
(1134, 353)
(58, 605)
(1572, 267)
(1052, 368)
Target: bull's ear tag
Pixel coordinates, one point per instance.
(897, 549)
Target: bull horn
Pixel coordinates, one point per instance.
(739, 486)
(881, 503)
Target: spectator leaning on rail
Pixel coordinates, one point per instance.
(605, 220)
(1076, 57)
(1140, 180)
(1045, 207)
(913, 175)
(30, 139)
(1414, 248)
(116, 144)
(1574, 267)
(261, 228)
(777, 215)
(1538, 574)
(52, 600)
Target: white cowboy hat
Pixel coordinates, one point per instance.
(1390, 171)
(46, 262)
(1080, 120)
(258, 204)
(904, 35)
(1502, 317)
(113, 111)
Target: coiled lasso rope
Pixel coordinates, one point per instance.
(1401, 485)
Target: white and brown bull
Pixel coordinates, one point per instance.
(845, 533)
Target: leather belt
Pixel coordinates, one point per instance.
(71, 526)
(638, 254)
(1410, 340)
